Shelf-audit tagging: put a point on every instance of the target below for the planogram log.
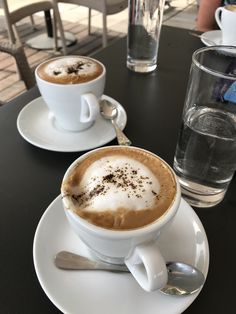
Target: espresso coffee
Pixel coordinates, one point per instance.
(119, 188)
(70, 70)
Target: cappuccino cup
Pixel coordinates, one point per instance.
(226, 20)
(71, 87)
(118, 200)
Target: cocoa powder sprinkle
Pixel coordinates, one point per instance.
(126, 179)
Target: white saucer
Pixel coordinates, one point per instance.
(37, 125)
(211, 38)
(99, 292)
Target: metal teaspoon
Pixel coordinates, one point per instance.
(201, 36)
(183, 279)
(109, 111)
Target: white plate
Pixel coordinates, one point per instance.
(100, 292)
(212, 38)
(37, 125)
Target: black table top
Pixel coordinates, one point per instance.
(30, 177)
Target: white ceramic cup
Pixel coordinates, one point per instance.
(226, 20)
(137, 248)
(74, 106)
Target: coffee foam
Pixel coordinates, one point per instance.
(119, 188)
(70, 70)
(231, 7)
(116, 182)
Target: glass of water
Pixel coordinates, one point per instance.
(145, 20)
(205, 157)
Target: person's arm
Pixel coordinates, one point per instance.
(206, 15)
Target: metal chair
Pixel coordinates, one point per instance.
(17, 51)
(27, 10)
(106, 7)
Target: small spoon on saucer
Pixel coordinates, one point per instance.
(201, 36)
(109, 111)
(183, 279)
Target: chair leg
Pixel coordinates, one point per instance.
(32, 22)
(9, 27)
(104, 35)
(89, 20)
(16, 40)
(17, 36)
(23, 67)
(55, 35)
(58, 22)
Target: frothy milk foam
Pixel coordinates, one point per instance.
(70, 70)
(231, 7)
(113, 183)
(120, 188)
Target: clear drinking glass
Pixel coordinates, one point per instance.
(205, 157)
(145, 20)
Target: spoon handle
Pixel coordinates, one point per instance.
(68, 260)
(210, 42)
(121, 137)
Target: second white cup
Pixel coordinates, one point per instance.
(71, 87)
(226, 20)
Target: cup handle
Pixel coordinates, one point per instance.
(218, 12)
(89, 107)
(148, 267)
